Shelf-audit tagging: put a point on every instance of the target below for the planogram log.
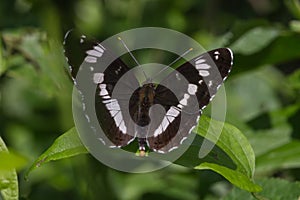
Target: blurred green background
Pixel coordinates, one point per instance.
(263, 92)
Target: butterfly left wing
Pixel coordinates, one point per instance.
(195, 84)
(88, 56)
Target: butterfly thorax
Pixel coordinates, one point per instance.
(146, 95)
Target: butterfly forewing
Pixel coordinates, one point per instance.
(109, 108)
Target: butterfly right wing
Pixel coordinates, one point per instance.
(80, 51)
(204, 75)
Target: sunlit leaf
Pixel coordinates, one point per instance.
(236, 146)
(231, 141)
(254, 40)
(65, 146)
(236, 178)
(11, 161)
(283, 48)
(8, 178)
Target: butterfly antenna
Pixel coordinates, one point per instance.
(135, 60)
(169, 65)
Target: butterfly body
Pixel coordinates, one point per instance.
(160, 116)
(145, 100)
(140, 114)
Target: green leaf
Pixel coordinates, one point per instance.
(2, 60)
(236, 146)
(8, 178)
(274, 189)
(294, 7)
(283, 157)
(11, 161)
(254, 40)
(231, 141)
(236, 178)
(295, 25)
(283, 48)
(232, 151)
(65, 146)
(232, 157)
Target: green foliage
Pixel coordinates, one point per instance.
(283, 157)
(8, 176)
(259, 142)
(65, 146)
(273, 189)
(248, 44)
(231, 141)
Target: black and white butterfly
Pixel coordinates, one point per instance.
(204, 74)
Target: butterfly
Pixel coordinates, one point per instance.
(126, 117)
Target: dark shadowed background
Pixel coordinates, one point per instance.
(263, 92)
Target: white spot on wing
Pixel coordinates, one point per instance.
(82, 38)
(191, 129)
(165, 123)
(113, 112)
(180, 106)
(90, 59)
(183, 102)
(122, 127)
(211, 98)
(160, 151)
(112, 105)
(94, 53)
(203, 72)
(170, 118)
(98, 78)
(173, 148)
(106, 97)
(99, 48)
(102, 141)
(173, 112)
(103, 92)
(178, 77)
(118, 118)
(87, 118)
(198, 58)
(102, 86)
(202, 66)
(231, 55)
(192, 89)
(200, 61)
(158, 131)
(181, 141)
